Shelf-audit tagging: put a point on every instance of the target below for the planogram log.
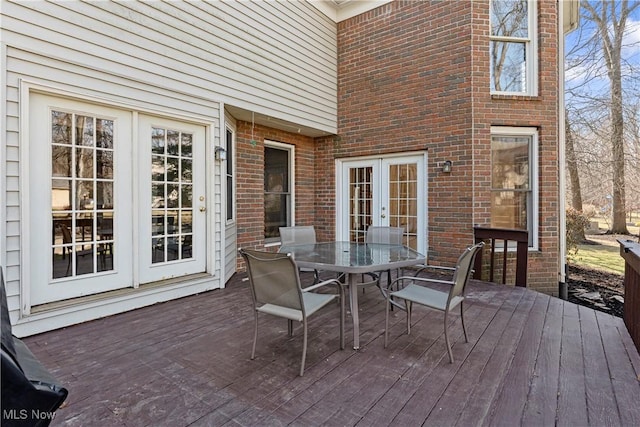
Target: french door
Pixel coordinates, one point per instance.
(389, 191)
(92, 222)
(79, 195)
(173, 205)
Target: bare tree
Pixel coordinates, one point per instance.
(611, 19)
(599, 114)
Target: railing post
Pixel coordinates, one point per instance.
(630, 251)
(521, 237)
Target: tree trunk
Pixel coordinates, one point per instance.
(611, 29)
(574, 178)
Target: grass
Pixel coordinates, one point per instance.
(600, 257)
(606, 255)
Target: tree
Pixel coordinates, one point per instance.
(601, 113)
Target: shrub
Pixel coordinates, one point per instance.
(576, 223)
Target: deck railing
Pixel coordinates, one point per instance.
(630, 251)
(520, 237)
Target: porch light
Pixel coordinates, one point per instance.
(446, 166)
(220, 153)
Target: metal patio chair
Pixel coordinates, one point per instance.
(300, 235)
(385, 235)
(275, 290)
(413, 290)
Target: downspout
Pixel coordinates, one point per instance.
(562, 179)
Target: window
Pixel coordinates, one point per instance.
(278, 170)
(82, 183)
(230, 186)
(513, 64)
(513, 180)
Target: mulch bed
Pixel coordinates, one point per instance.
(596, 289)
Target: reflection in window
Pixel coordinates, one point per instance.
(82, 197)
(512, 185)
(512, 51)
(230, 184)
(403, 201)
(360, 202)
(171, 195)
(277, 193)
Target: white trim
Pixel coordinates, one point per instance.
(534, 176)
(342, 10)
(3, 162)
(231, 125)
(34, 85)
(25, 204)
(55, 319)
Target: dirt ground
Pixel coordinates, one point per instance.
(608, 285)
(583, 283)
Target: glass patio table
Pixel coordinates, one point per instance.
(353, 258)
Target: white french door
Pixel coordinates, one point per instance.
(88, 230)
(389, 191)
(79, 194)
(172, 213)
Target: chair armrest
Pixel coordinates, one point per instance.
(321, 284)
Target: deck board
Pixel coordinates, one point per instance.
(531, 360)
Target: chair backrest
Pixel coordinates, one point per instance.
(297, 235)
(273, 278)
(389, 235)
(464, 269)
(66, 234)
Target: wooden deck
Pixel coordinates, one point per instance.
(531, 360)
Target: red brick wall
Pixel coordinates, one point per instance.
(404, 85)
(539, 111)
(415, 76)
(250, 180)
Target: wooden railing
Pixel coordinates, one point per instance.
(521, 237)
(630, 251)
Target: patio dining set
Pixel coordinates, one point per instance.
(277, 290)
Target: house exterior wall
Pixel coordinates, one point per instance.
(183, 58)
(539, 111)
(415, 76)
(250, 184)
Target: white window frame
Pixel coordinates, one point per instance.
(292, 184)
(533, 221)
(531, 51)
(230, 166)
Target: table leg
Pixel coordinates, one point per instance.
(355, 316)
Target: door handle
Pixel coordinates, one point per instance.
(383, 216)
(203, 209)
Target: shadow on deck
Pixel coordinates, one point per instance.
(531, 359)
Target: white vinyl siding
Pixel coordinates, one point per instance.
(178, 59)
(275, 58)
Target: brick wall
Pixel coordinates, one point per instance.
(414, 76)
(540, 112)
(250, 180)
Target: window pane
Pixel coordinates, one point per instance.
(276, 187)
(510, 162)
(508, 67)
(509, 18)
(509, 209)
